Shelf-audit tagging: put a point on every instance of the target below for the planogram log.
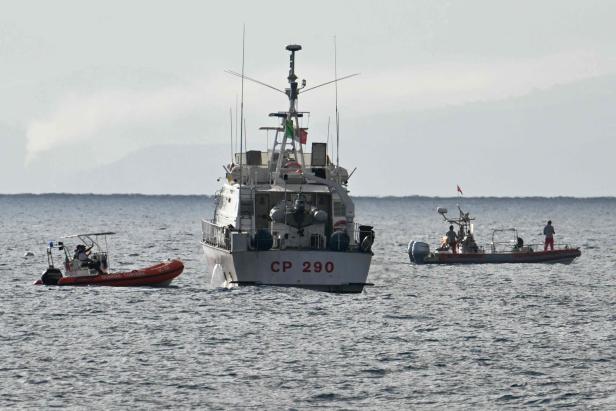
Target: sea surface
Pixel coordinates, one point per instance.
(472, 337)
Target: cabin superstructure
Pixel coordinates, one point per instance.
(287, 200)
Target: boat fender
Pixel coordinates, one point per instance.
(338, 241)
(263, 240)
(51, 276)
(409, 250)
(366, 244)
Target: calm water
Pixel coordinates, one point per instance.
(423, 337)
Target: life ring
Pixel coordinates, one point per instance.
(294, 165)
(340, 225)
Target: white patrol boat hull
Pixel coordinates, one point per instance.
(343, 272)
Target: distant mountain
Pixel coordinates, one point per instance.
(163, 169)
(554, 142)
(557, 141)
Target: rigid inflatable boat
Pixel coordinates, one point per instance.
(498, 251)
(89, 265)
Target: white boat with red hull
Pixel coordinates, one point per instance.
(283, 217)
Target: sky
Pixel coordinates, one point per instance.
(501, 98)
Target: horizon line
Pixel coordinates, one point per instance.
(387, 196)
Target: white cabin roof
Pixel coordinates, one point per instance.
(87, 234)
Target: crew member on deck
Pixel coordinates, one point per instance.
(452, 238)
(549, 232)
(519, 244)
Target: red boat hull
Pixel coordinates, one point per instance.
(157, 275)
(556, 256)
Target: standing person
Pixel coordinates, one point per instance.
(452, 238)
(549, 232)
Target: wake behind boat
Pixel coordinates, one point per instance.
(89, 265)
(466, 251)
(284, 217)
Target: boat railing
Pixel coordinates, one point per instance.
(220, 236)
(356, 237)
(215, 235)
(510, 246)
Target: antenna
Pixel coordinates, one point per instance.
(231, 128)
(337, 117)
(331, 81)
(236, 123)
(328, 121)
(233, 73)
(242, 116)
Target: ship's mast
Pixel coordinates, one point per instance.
(291, 117)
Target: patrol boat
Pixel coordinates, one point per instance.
(500, 250)
(94, 268)
(284, 217)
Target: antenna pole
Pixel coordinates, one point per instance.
(328, 121)
(337, 117)
(231, 128)
(242, 107)
(236, 124)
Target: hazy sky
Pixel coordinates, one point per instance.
(501, 97)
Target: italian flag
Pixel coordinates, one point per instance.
(302, 133)
(288, 128)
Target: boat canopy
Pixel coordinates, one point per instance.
(87, 234)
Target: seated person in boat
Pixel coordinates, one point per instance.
(519, 244)
(452, 239)
(82, 254)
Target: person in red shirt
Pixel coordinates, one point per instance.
(549, 232)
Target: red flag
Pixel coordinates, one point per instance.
(303, 136)
(460, 190)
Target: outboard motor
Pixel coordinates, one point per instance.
(418, 251)
(51, 276)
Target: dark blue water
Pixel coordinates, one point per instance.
(476, 337)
